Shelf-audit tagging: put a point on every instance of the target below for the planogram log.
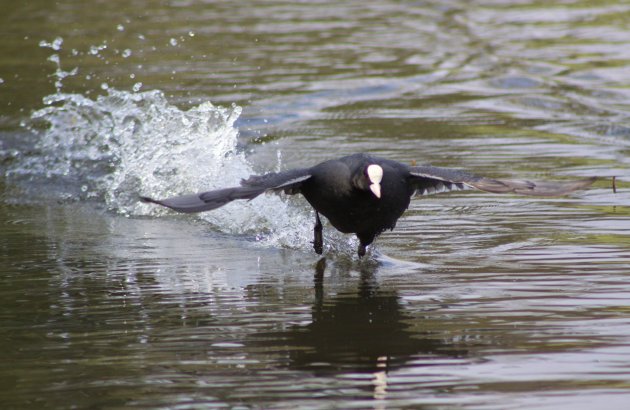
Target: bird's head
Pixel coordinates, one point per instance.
(374, 174)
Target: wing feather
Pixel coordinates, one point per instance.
(288, 181)
(429, 179)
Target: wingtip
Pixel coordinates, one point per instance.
(590, 180)
(531, 188)
(147, 200)
(585, 182)
(565, 188)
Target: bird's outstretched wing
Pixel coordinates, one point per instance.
(288, 181)
(429, 179)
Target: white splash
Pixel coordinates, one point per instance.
(124, 144)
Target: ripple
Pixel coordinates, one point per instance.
(474, 301)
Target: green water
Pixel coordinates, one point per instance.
(474, 301)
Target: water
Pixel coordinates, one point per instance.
(474, 301)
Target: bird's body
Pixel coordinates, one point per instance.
(361, 194)
(351, 210)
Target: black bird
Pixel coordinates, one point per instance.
(362, 194)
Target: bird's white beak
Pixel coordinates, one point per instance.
(375, 174)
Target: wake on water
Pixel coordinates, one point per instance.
(117, 146)
(122, 144)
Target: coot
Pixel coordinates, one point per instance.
(360, 193)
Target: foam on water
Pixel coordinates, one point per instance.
(117, 146)
(122, 144)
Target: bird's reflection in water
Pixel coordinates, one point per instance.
(367, 331)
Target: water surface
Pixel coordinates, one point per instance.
(474, 301)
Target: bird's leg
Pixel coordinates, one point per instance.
(361, 250)
(318, 240)
(365, 240)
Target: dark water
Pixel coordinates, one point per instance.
(474, 301)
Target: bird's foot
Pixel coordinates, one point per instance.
(361, 250)
(318, 246)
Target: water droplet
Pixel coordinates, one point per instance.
(191, 33)
(141, 36)
(132, 76)
(126, 53)
(1, 80)
(137, 86)
(173, 41)
(94, 50)
(56, 44)
(84, 188)
(120, 27)
(104, 86)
